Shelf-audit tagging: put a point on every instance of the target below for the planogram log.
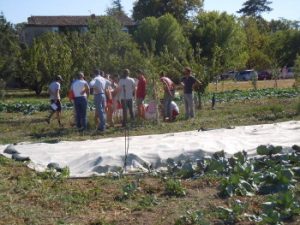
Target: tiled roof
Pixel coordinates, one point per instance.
(72, 20)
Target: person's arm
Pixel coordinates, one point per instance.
(57, 93)
(166, 87)
(87, 89)
(181, 82)
(134, 89)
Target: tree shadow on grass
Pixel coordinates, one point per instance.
(17, 122)
(51, 136)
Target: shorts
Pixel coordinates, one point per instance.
(109, 102)
(139, 101)
(57, 103)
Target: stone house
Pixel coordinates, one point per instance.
(37, 25)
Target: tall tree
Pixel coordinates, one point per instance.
(284, 46)
(9, 48)
(113, 48)
(257, 42)
(221, 39)
(116, 9)
(48, 56)
(255, 8)
(180, 9)
(158, 34)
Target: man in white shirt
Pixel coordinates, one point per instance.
(54, 92)
(127, 89)
(81, 92)
(100, 85)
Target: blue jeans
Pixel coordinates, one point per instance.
(189, 106)
(80, 104)
(100, 104)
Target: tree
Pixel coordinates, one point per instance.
(159, 34)
(255, 8)
(284, 45)
(48, 56)
(146, 34)
(113, 49)
(297, 72)
(257, 44)
(116, 9)
(283, 24)
(220, 41)
(9, 49)
(180, 9)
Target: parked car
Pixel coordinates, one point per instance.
(290, 73)
(246, 75)
(264, 75)
(228, 75)
(287, 73)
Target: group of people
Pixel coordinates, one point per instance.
(113, 93)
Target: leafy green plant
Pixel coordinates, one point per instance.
(236, 185)
(268, 150)
(148, 201)
(52, 173)
(174, 187)
(192, 218)
(232, 215)
(128, 191)
(280, 207)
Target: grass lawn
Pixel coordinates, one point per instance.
(28, 197)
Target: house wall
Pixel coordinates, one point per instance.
(29, 33)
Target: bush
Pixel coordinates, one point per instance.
(174, 188)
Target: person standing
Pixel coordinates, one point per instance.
(54, 92)
(188, 82)
(100, 87)
(141, 94)
(127, 88)
(109, 100)
(91, 84)
(169, 92)
(81, 92)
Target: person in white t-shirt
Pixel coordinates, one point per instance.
(81, 92)
(54, 92)
(100, 85)
(127, 87)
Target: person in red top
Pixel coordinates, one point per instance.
(169, 92)
(141, 93)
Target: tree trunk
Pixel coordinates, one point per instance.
(38, 89)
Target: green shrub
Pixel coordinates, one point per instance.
(174, 188)
(128, 190)
(192, 218)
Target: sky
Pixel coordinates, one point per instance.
(17, 11)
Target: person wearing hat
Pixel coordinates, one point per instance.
(54, 92)
(81, 92)
(188, 81)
